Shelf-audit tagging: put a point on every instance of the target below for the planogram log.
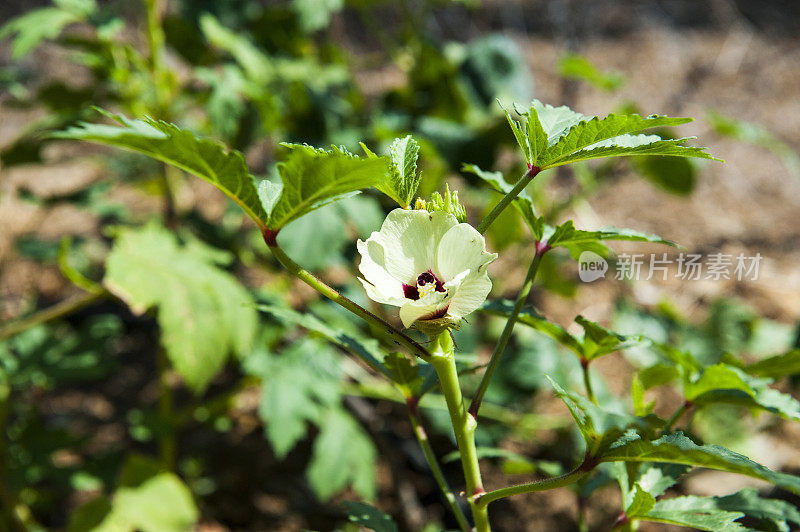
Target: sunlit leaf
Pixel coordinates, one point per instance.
(204, 158)
(204, 312)
(678, 449)
(312, 178)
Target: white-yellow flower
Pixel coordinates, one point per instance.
(427, 264)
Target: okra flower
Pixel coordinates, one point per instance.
(427, 264)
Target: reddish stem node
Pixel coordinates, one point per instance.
(271, 237)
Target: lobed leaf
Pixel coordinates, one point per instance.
(298, 387)
(696, 512)
(677, 448)
(203, 158)
(312, 178)
(343, 454)
(402, 180)
(571, 136)
(204, 312)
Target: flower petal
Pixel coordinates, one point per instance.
(462, 248)
(423, 308)
(410, 240)
(387, 288)
(375, 294)
(470, 293)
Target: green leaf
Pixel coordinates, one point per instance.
(298, 386)
(404, 373)
(148, 499)
(204, 312)
(599, 341)
(697, 512)
(343, 455)
(577, 241)
(402, 180)
(655, 479)
(633, 145)
(722, 383)
(674, 174)
(312, 178)
(641, 502)
(369, 517)
(556, 121)
(33, 27)
(676, 448)
(757, 135)
(315, 14)
(573, 137)
(596, 341)
(365, 348)
(777, 366)
(599, 427)
(204, 158)
(161, 503)
(523, 202)
(574, 66)
(255, 63)
(768, 511)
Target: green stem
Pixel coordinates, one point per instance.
(464, 424)
(167, 443)
(507, 330)
(539, 485)
(156, 40)
(427, 450)
(587, 380)
(677, 415)
(508, 198)
(396, 336)
(59, 310)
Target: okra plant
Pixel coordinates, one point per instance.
(430, 264)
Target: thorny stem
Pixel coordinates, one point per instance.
(397, 337)
(582, 470)
(430, 456)
(59, 310)
(464, 425)
(587, 380)
(526, 178)
(541, 249)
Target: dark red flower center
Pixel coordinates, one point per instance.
(424, 279)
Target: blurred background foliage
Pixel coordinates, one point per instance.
(98, 428)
